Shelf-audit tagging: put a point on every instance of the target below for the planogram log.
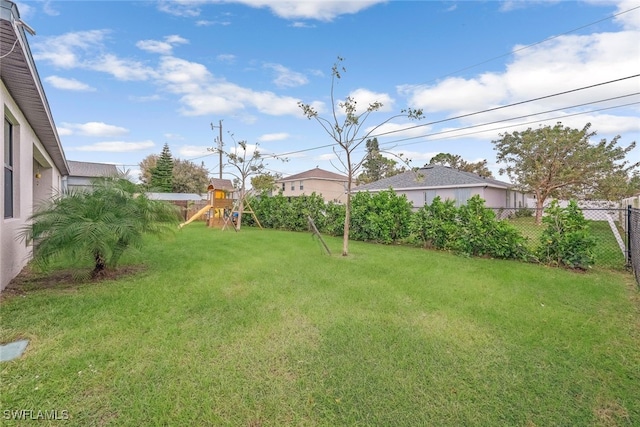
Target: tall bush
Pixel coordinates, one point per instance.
(433, 225)
(471, 230)
(480, 233)
(380, 217)
(567, 239)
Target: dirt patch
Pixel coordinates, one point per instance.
(30, 281)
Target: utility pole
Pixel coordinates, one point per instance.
(219, 143)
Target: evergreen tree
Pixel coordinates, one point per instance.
(376, 166)
(162, 173)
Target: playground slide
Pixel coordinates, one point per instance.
(197, 215)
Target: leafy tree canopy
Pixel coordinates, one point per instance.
(562, 162)
(456, 162)
(265, 182)
(189, 177)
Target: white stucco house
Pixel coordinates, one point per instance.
(34, 164)
(424, 185)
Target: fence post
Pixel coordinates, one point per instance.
(629, 236)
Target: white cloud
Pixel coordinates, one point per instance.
(559, 65)
(173, 136)
(302, 25)
(365, 97)
(193, 151)
(269, 137)
(95, 129)
(316, 10)
(227, 58)
(162, 47)
(122, 69)
(183, 8)
(285, 77)
(66, 51)
(149, 98)
(326, 157)
(68, 84)
(48, 9)
(628, 20)
(115, 146)
(202, 94)
(63, 131)
(85, 50)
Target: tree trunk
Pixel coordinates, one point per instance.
(100, 265)
(347, 220)
(347, 211)
(240, 209)
(539, 209)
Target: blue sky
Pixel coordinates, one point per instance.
(122, 78)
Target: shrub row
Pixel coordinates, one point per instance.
(471, 229)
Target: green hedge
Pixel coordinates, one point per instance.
(471, 229)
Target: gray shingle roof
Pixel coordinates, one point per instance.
(92, 170)
(432, 176)
(315, 173)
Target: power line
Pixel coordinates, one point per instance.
(503, 127)
(508, 105)
(476, 113)
(535, 114)
(506, 127)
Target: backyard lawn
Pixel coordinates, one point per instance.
(261, 328)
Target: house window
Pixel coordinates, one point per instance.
(429, 195)
(301, 186)
(8, 169)
(293, 185)
(462, 196)
(283, 187)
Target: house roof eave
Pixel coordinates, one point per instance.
(20, 76)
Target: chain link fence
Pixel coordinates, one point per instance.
(608, 226)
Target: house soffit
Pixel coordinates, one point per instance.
(20, 76)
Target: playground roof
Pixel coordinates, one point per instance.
(221, 184)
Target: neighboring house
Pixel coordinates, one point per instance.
(81, 174)
(331, 186)
(33, 160)
(424, 185)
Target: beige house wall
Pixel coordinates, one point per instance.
(330, 190)
(29, 158)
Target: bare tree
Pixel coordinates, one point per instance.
(245, 161)
(345, 127)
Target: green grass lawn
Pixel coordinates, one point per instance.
(260, 328)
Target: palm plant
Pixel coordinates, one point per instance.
(96, 227)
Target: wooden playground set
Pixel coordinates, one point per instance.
(221, 209)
